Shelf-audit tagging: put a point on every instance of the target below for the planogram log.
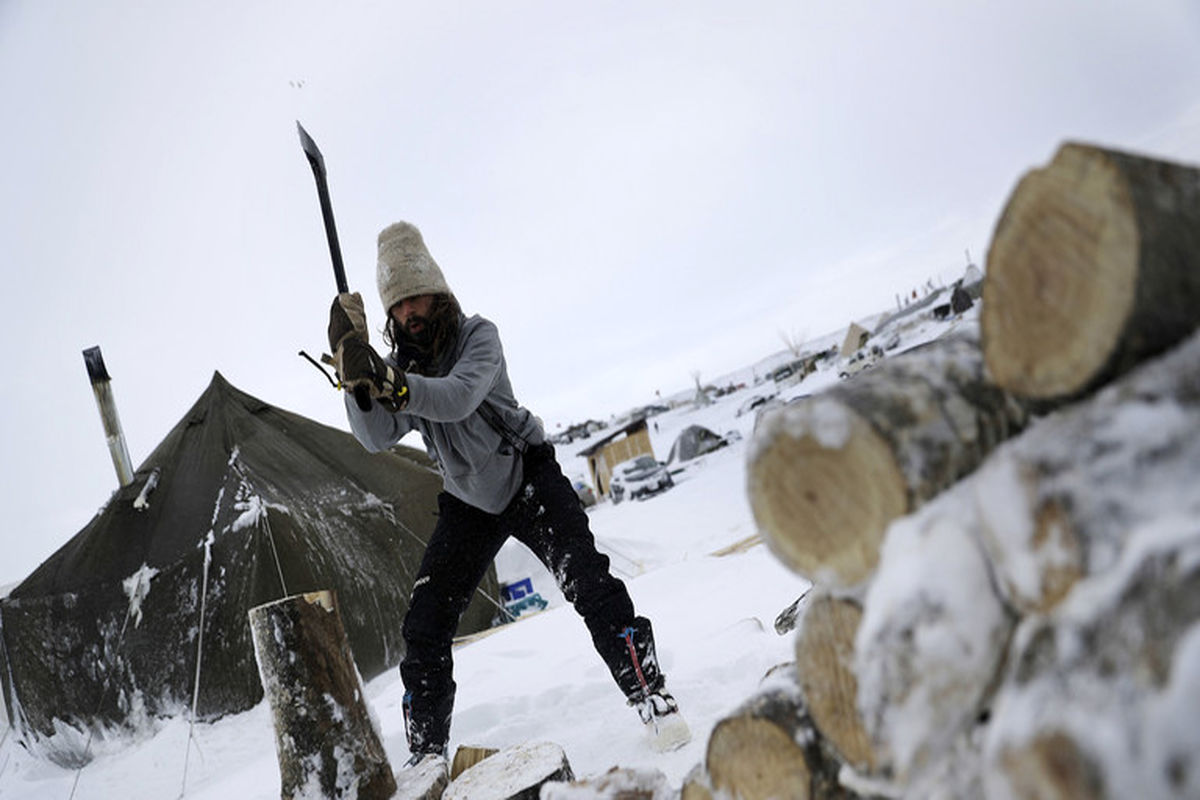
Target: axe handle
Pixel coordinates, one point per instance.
(362, 397)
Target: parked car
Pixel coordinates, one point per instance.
(861, 360)
(639, 477)
(753, 403)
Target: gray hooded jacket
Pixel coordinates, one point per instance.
(479, 464)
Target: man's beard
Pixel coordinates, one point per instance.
(434, 337)
(423, 337)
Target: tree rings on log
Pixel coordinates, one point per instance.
(467, 756)
(1094, 265)
(824, 502)
(769, 748)
(827, 474)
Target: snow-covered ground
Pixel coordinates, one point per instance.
(539, 678)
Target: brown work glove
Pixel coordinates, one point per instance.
(347, 319)
(358, 364)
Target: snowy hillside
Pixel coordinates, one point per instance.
(539, 678)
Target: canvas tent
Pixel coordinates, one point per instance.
(252, 503)
(693, 442)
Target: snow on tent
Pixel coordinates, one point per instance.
(242, 503)
(693, 442)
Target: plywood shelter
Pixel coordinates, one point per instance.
(856, 337)
(249, 503)
(621, 445)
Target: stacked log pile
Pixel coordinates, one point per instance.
(1003, 533)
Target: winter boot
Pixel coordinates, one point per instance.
(645, 687)
(426, 733)
(665, 726)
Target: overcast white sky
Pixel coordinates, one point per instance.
(632, 191)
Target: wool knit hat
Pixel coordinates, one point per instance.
(405, 268)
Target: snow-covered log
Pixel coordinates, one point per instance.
(827, 473)
(1048, 509)
(514, 773)
(932, 640)
(425, 780)
(1059, 502)
(1094, 265)
(825, 670)
(769, 748)
(324, 736)
(619, 783)
(1101, 698)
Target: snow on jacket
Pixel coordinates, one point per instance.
(478, 465)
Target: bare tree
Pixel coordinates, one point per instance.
(794, 341)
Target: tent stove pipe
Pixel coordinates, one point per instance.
(102, 388)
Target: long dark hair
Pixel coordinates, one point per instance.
(424, 353)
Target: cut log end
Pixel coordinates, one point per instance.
(1062, 271)
(824, 666)
(797, 489)
(1092, 268)
(757, 759)
(467, 756)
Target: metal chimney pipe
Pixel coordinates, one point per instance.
(102, 388)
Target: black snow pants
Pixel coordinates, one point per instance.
(546, 517)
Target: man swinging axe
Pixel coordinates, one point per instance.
(445, 377)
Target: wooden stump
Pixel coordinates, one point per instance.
(324, 735)
(1094, 265)
(514, 773)
(827, 473)
(770, 748)
(825, 670)
(1101, 697)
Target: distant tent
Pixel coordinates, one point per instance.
(972, 276)
(693, 442)
(104, 633)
